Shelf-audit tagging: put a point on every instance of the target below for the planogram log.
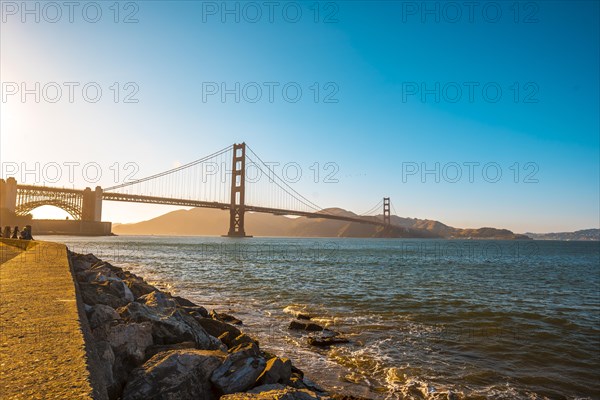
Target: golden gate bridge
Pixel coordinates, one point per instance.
(191, 185)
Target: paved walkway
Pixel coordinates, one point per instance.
(42, 353)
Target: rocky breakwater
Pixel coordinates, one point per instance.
(152, 345)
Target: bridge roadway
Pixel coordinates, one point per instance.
(226, 206)
(49, 189)
(131, 198)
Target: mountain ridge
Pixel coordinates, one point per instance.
(211, 222)
(592, 234)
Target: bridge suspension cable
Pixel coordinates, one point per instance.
(393, 208)
(206, 179)
(209, 180)
(180, 168)
(260, 189)
(375, 210)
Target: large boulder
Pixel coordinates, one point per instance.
(230, 319)
(216, 328)
(191, 307)
(137, 285)
(106, 357)
(81, 262)
(158, 300)
(280, 394)
(232, 341)
(101, 315)
(131, 340)
(117, 271)
(151, 351)
(326, 338)
(98, 272)
(183, 302)
(196, 311)
(113, 374)
(277, 370)
(241, 369)
(266, 388)
(177, 374)
(101, 318)
(305, 326)
(169, 323)
(101, 293)
(326, 341)
(299, 381)
(121, 289)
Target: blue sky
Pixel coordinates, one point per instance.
(376, 56)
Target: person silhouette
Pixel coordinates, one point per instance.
(6, 232)
(15, 234)
(26, 233)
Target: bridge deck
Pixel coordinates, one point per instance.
(132, 198)
(225, 206)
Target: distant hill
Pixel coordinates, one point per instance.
(211, 222)
(584, 234)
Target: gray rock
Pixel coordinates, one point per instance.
(183, 302)
(326, 341)
(326, 338)
(99, 284)
(102, 314)
(101, 318)
(131, 340)
(230, 319)
(281, 394)
(217, 328)
(245, 350)
(197, 311)
(169, 324)
(266, 388)
(102, 271)
(158, 300)
(241, 369)
(122, 290)
(101, 293)
(305, 326)
(240, 339)
(151, 351)
(103, 265)
(90, 275)
(300, 382)
(178, 374)
(277, 370)
(138, 286)
(82, 262)
(107, 360)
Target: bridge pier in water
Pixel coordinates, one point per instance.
(386, 212)
(238, 191)
(387, 223)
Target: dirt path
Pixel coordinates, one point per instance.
(42, 353)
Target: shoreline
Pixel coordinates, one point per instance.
(139, 332)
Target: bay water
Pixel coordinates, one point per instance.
(425, 318)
